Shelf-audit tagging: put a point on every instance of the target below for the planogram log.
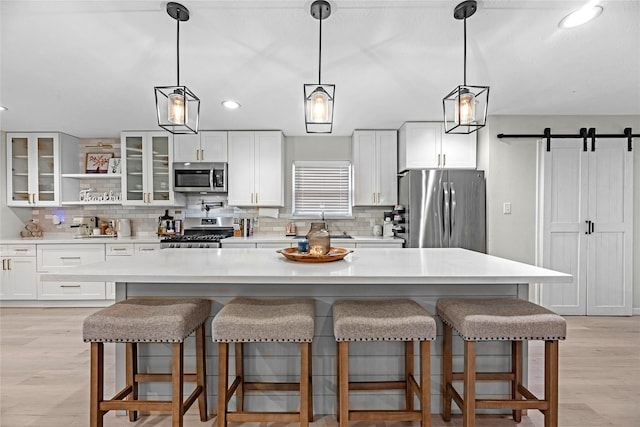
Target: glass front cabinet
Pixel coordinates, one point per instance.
(33, 169)
(146, 167)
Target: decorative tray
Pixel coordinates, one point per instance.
(334, 254)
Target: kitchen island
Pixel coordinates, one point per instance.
(424, 275)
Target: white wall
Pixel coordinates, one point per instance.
(511, 168)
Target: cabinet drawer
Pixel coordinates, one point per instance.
(146, 247)
(123, 249)
(71, 291)
(275, 245)
(68, 255)
(17, 250)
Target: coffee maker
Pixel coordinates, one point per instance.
(387, 226)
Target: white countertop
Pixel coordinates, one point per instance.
(265, 266)
(265, 238)
(68, 238)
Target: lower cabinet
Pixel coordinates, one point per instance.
(396, 243)
(115, 250)
(69, 255)
(19, 275)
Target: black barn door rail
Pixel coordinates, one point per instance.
(585, 134)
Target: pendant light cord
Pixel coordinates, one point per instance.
(178, 48)
(465, 50)
(320, 51)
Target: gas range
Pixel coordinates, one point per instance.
(200, 233)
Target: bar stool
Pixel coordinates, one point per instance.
(389, 320)
(250, 320)
(499, 319)
(148, 321)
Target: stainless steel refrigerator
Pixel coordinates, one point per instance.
(443, 208)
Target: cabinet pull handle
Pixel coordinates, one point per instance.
(256, 198)
(444, 160)
(9, 264)
(588, 227)
(118, 249)
(438, 160)
(3, 267)
(202, 154)
(197, 154)
(146, 249)
(21, 250)
(593, 227)
(69, 286)
(69, 257)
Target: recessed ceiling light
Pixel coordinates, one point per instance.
(3, 108)
(581, 16)
(230, 105)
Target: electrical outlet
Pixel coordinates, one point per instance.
(506, 208)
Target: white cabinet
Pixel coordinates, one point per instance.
(256, 168)
(69, 255)
(424, 145)
(146, 169)
(115, 250)
(205, 146)
(374, 167)
(586, 200)
(34, 165)
(19, 276)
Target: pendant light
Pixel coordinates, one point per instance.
(465, 107)
(318, 98)
(177, 107)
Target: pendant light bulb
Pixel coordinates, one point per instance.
(465, 113)
(319, 106)
(177, 110)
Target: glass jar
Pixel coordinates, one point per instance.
(318, 237)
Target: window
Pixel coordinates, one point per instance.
(321, 187)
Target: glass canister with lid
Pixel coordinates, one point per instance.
(319, 240)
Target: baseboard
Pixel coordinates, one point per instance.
(635, 311)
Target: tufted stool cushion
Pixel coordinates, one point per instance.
(254, 320)
(146, 320)
(382, 320)
(501, 319)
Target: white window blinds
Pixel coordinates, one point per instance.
(321, 187)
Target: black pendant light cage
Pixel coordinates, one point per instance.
(177, 107)
(319, 98)
(465, 107)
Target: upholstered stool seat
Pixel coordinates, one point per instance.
(385, 320)
(251, 320)
(499, 319)
(148, 321)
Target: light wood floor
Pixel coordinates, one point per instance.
(44, 375)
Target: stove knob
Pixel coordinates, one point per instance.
(189, 245)
(172, 245)
(206, 245)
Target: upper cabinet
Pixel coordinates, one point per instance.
(146, 168)
(424, 145)
(256, 168)
(34, 166)
(374, 167)
(205, 146)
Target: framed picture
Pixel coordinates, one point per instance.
(97, 162)
(114, 165)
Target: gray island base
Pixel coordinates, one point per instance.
(424, 275)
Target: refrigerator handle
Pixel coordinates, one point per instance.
(453, 209)
(445, 208)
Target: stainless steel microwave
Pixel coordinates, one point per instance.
(200, 177)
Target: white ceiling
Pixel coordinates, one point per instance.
(88, 68)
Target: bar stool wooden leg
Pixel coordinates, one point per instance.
(97, 384)
(343, 382)
(408, 373)
(516, 370)
(469, 400)
(551, 382)
(447, 372)
(177, 389)
(425, 383)
(223, 372)
(131, 372)
(304, 384)
(337, 381)
(201, 372)
(310, 376)
(239, 362)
